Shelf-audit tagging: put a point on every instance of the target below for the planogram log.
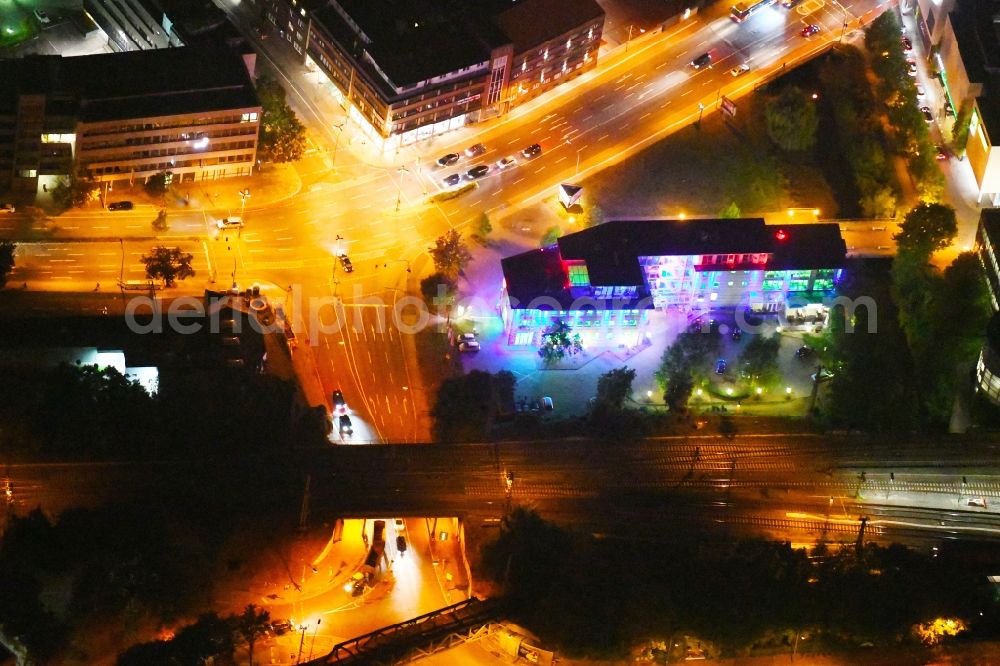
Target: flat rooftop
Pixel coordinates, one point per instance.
(136, 84)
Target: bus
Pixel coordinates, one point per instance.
(743, 10)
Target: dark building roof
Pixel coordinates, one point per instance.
(415, 40)
(989, 218)
(977, 33)
(611, 252)
(135, 84)
(532, 22)
(611, 249)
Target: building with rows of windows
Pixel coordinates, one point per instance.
(126, 116)
(603, 281)
(986, 248)
(410, 70)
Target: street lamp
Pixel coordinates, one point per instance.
(340, 130)
(642, 31)
(399, 189)
(701, 111)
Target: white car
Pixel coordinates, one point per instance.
(469, 346)
(229, 223)
(506, 163)
(740, 69)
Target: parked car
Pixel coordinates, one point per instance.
(452, 180)
(121, 205)
(477, 171)
(547, 404)
(280, 627)
(506, 163)
(534, 150)
(720, 366)
(978, 501)
(928, 116)
(339, 404)
(740, 69)
(229, 223)
(400, 525)
(346, 427)
(467, 337)
(907, 43)
(920, 90)
(810, 30)
(942, 153)
(468, 346)
(475, 150)
(804, 351)
(448, 159)
(401, 544)
(789, 4)
(345, 263)
(702, 61)
(911, 67)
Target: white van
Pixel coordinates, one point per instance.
(229, 223)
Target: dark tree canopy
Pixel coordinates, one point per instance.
(467, 405)
(615, 387)
(558, 342)
(791, 119)
(927, 227)
(8, 251)
(282, 134)
(451, 255)
(168, 264)
(759, 360)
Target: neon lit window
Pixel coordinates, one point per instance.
(800, 275)
(798, 285)
(774, 285)
(823, 284)
(774, 274)
(578, 276)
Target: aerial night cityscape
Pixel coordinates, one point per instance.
(487, 332)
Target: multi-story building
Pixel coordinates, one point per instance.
(409, 70)
(986, 248)
(962, 37)
(605, 279)
(109, 117)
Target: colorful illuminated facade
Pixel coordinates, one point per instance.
(604, 281)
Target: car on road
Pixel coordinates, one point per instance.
(345, 425)
(121, 205)
(810, 30)
(7, 208)
(466, 337)
(346, 264)
(804, 351)
(911, 67)
(452, 180)
(448, 159)
(907, 43)
(477, 171)
(401, 544)
(949, 110)
(475, 150)
(702, 61)
(280, 627)
(339, 404)
(400, 525)
(942, 153)
(42, 17)
(739, 70)
(978, 501)
(720, 366)
(920, 90)
(229, 223)
(506, 163)
(928, 116)
(534, 150)
(468, 346)
(547, 404)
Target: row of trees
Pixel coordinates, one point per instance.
(910, 136)
(600, 596)
(897, 357)
(857, 122)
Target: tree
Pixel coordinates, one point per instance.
(960, 132)
(558, 342)
(730, 212)
(7, 261)
(466, 406)
(550, 236)
(592, 216)
(483, 229)
(158, 184)
(615, 387)
(282, 135)
(168, 264)
(451, 255)
(160, 221)
(438, 290)
(928, 227)
(760, 359)
(73, 191)
(679, 361)
(791, 119)
(252, 623)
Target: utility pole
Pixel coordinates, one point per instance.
(860, 543)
